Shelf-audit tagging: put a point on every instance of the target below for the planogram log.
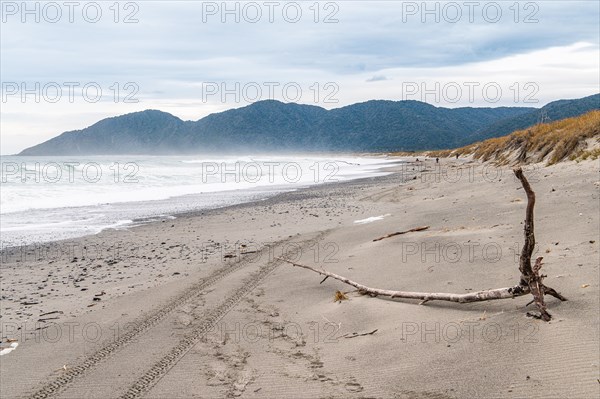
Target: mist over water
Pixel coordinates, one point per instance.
(50, 198)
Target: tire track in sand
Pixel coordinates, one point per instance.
(163, 366)
(54, 387)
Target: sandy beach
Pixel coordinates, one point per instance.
(201, 306)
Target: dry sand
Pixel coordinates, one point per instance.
(198, 306)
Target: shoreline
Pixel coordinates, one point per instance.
(209, 283)
(110, 243)
(201, 201)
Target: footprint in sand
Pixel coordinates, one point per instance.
(353, 386)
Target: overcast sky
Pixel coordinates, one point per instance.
(193, 58)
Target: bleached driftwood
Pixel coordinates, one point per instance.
(530, 281)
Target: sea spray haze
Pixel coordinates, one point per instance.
(46, 198)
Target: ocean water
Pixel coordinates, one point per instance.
(50, 198)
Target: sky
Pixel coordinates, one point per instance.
(66, 65)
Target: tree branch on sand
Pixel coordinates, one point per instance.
(529, 283)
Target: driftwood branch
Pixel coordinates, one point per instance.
(530, 281)
(487, 295)
(402, 232)
(500, 293)
(530, 276)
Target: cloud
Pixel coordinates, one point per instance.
(377, 78)
(172, 52)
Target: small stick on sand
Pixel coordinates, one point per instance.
(47, 313)
(402, 232)
(355, 334)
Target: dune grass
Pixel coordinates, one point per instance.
(549, 142)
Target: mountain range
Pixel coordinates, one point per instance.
(376, 125)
